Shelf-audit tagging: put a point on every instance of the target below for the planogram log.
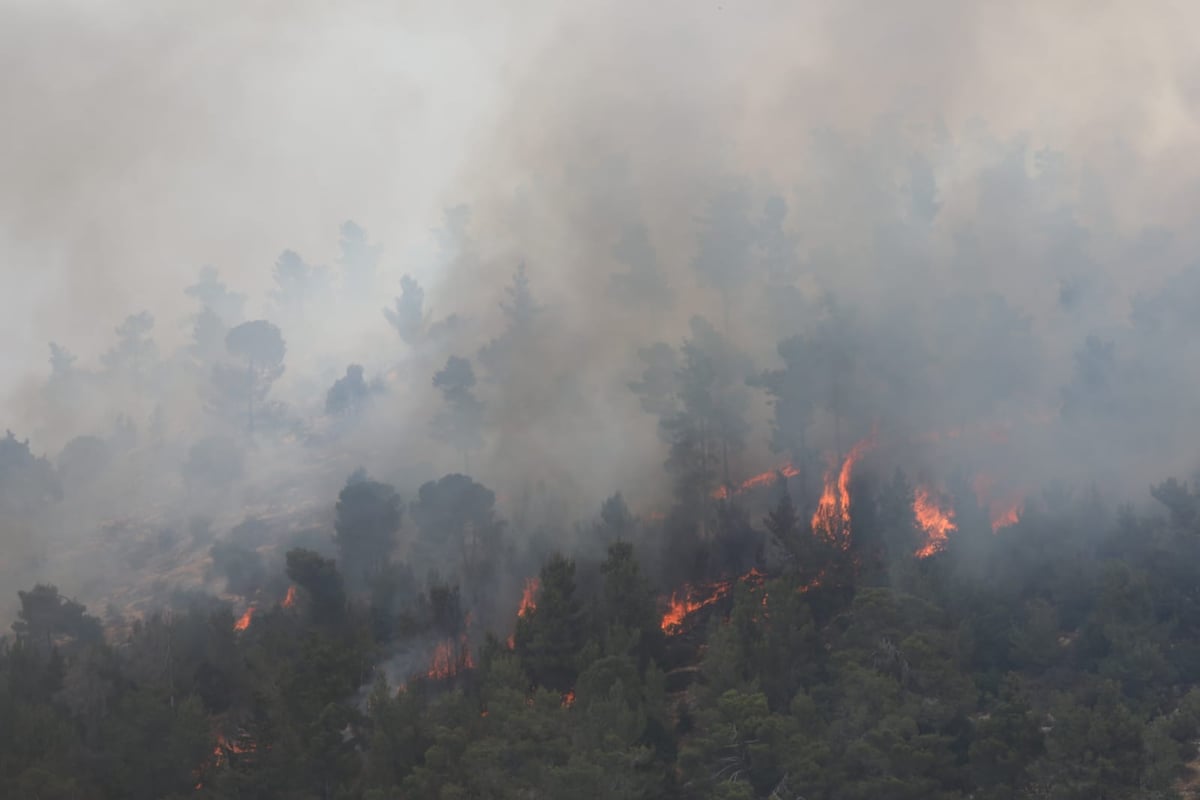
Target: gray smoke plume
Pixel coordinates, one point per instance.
(973, 216)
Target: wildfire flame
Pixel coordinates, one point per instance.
(529, 596)
(220, 752)
(689, 600)
(754, 481)
(1006, 515)
(935, 521)
(568, 699)
(528, 603)
(244, 620)
(449, 658)
(1003, 512)
(832, 517)
(290, 599)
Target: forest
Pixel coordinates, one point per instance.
(697, 401)
(872, 651)
(847, 623)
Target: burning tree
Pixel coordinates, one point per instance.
(701, 412)
(320, 579)
(549, 637)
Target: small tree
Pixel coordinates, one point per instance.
(368, 519)
(408, 315)
(260, 348)
(46, 614)
(135, 352)
(549, 637)
(348, 394)
(460, 422)
(358, 258)
(320, 578)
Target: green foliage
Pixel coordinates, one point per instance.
(1047, 661)
(368, 519)
(549, 638)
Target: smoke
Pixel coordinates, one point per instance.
(956, 195)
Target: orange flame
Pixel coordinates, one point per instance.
(1003, 512)
(244, 620)
(935, 521)
(221, 749)
(832, 517)
(529, 596)
(754, 481)
(1006, 515)
(690, 599)
(290, 600)
(449, 658)
(528, 603)
(568, 699)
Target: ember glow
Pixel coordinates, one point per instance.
(934, 520)
(568, 699)
(244, 620)
(832, 517)
(290, 599)
(221, 752)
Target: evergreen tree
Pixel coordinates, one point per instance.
(367, 523)
(459, 424)
(549, 638)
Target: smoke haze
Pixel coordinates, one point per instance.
(973, 200)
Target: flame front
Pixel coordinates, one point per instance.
(935, 521)
(1003, 512)
(450, 658)
(244, 620)
(529, 596)
(290, 599)
(832, 517)
(220, 753)
(754, 481)
(1007, 515)
(528, 604)
(689, 600)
